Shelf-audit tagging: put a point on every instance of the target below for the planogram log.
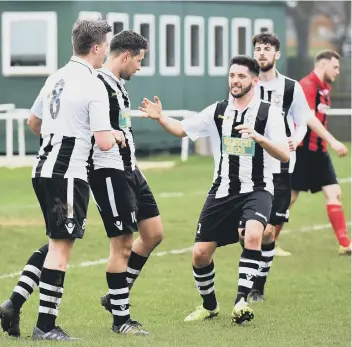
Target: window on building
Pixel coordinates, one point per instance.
(218, 46)
(194, 45)
(241, 36)
(29, 44)
(169, 45)
(144, 24)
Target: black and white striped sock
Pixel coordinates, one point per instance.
(29, 278)
(268, 252)
(134, 267)
(248, 268)
(51, 287)
(204, 278)
(119, 297)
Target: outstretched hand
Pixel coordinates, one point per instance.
(151, 109)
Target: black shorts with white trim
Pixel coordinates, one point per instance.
(64, 203)
(219, 219)
(123, 199)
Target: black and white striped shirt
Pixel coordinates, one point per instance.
(287, 94)
(237, 174)
(120, 107)
(72, 105)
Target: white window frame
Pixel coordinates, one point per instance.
(51, 37)
(212, 23)
(113, 17)
(189, 69)
(91, 15)
(139, 19)
(165, 70)
(237, 23)
(263, 23)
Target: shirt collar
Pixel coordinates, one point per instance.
(107, 72)
(251, 104)
(83, 62)
(273, 83)
(317, 80)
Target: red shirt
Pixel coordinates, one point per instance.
(317, 94)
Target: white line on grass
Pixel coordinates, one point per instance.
(175, 251)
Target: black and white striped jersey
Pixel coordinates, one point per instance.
(72, 105)
(287, 94)
(120, 119)
(240, 164)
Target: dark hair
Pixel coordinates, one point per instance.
(328, 54)
(87, 33)
(128, 40)
(245, 60)
(267, 38)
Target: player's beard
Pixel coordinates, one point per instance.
(327, 79)
(244, 91)
(267, 67)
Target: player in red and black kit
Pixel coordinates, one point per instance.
(314, 170)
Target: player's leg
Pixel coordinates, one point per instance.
(337, 218)
(149, 226)
(216, 227)
(278, 215)
(256, 212)
(67, 201)
(327, 182)
(28, 281)
(116, 203)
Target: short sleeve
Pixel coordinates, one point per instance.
(98, 107)
(37, 107)
(199, 124)
(300, 109)
(275, 126)
(310, 93)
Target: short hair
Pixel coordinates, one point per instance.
(327, 54)
(245, 60)
(267, 38)
(128, 40)
(87, 33)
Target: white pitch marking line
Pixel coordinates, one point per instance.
(304, 229)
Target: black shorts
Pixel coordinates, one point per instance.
(220, 218)
(282, 198)
(123, 199)
(313, 170)
(64, 203)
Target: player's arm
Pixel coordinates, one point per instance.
(98, 108)
(299, 111)
(154, 110)
(193, 127)
(315, 125)
(34, 123)
(274, 140)
(34, 120)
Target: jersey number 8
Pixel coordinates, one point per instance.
(55, 98)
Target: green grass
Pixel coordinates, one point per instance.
(308, 294)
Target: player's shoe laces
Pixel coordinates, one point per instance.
(241, 312)
(56, 334)
(105, 302)
(279, 252)
(202, 313)
(345, 250)
(131, 327)
(256, 296)
(10, 319)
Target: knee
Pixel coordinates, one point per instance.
(153, 238)
(201, 256)
(269, 234)
(254, 234)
